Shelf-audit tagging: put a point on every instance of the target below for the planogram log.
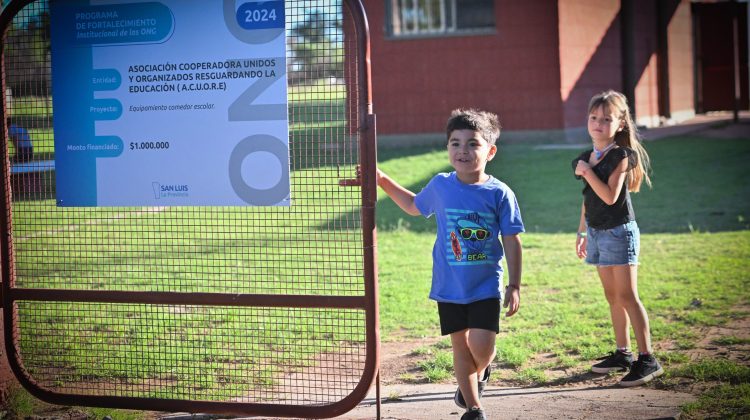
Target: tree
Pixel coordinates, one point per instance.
(316, 44)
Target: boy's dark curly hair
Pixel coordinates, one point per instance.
(486, 123)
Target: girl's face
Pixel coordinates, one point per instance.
(603, 125)
(469, 152)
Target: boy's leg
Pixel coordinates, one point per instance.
(465, 368)
(473, 350)
(482, 347)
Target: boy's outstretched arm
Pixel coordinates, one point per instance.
(513, 258)
(400, 195)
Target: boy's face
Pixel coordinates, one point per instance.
(469, 152)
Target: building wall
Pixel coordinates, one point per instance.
(590, 58)
(514, 72)
(681, 64)
(715, 61)
(537, 71)
(646, 70)
(678, 54)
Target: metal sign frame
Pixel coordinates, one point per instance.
(20, 295)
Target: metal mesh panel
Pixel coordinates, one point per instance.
(126, 343)
(194, 352)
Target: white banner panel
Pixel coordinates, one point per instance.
(170, 103)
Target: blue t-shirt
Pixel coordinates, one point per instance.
(470, 219)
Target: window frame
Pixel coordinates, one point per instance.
(447, 29)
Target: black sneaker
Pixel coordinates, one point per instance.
(474, 414)
(644, 369)
(458, 398)
(615, 361)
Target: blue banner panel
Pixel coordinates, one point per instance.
(170, 103)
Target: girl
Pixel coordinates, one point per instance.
(608, 236)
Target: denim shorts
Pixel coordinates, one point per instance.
(619, 245)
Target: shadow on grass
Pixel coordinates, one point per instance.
(584, 377)
(699, 184)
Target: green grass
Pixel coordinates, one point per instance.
(215, 250)
(37, 106)
(721, 370)
(731, 341)
(695, 248)
(695, 256)
(531, 376)
(438, 368)
(678, 264)
(20, 403)
(721, 402)
(321, 90)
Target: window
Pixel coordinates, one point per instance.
(439, 17)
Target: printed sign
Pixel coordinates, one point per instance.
(170, 103)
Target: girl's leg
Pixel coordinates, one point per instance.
(617, 311)
(473, 350)
(626, 279)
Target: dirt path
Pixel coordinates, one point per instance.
(576, 395)
(407, 395)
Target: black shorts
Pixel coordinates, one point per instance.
(483, 314)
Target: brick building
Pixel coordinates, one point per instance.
(536, 63)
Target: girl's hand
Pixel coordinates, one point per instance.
(582, 168)
(581, 246)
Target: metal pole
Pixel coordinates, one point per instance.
(663, 17)
(747, 36)
(377, 396)
(736, 59)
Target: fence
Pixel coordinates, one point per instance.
(221, 309)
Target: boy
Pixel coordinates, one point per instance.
(471, 208)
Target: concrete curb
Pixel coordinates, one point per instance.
(434, 402)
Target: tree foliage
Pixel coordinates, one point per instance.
(317, 47)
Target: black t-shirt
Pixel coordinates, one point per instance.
(598, 214)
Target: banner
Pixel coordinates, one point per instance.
(170, 103)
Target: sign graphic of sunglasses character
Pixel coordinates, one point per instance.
(471, 234)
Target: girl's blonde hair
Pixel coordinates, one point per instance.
(616, 103)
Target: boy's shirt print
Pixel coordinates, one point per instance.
(467, 254)
(468, 238)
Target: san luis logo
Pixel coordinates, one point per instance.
(169, 190)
